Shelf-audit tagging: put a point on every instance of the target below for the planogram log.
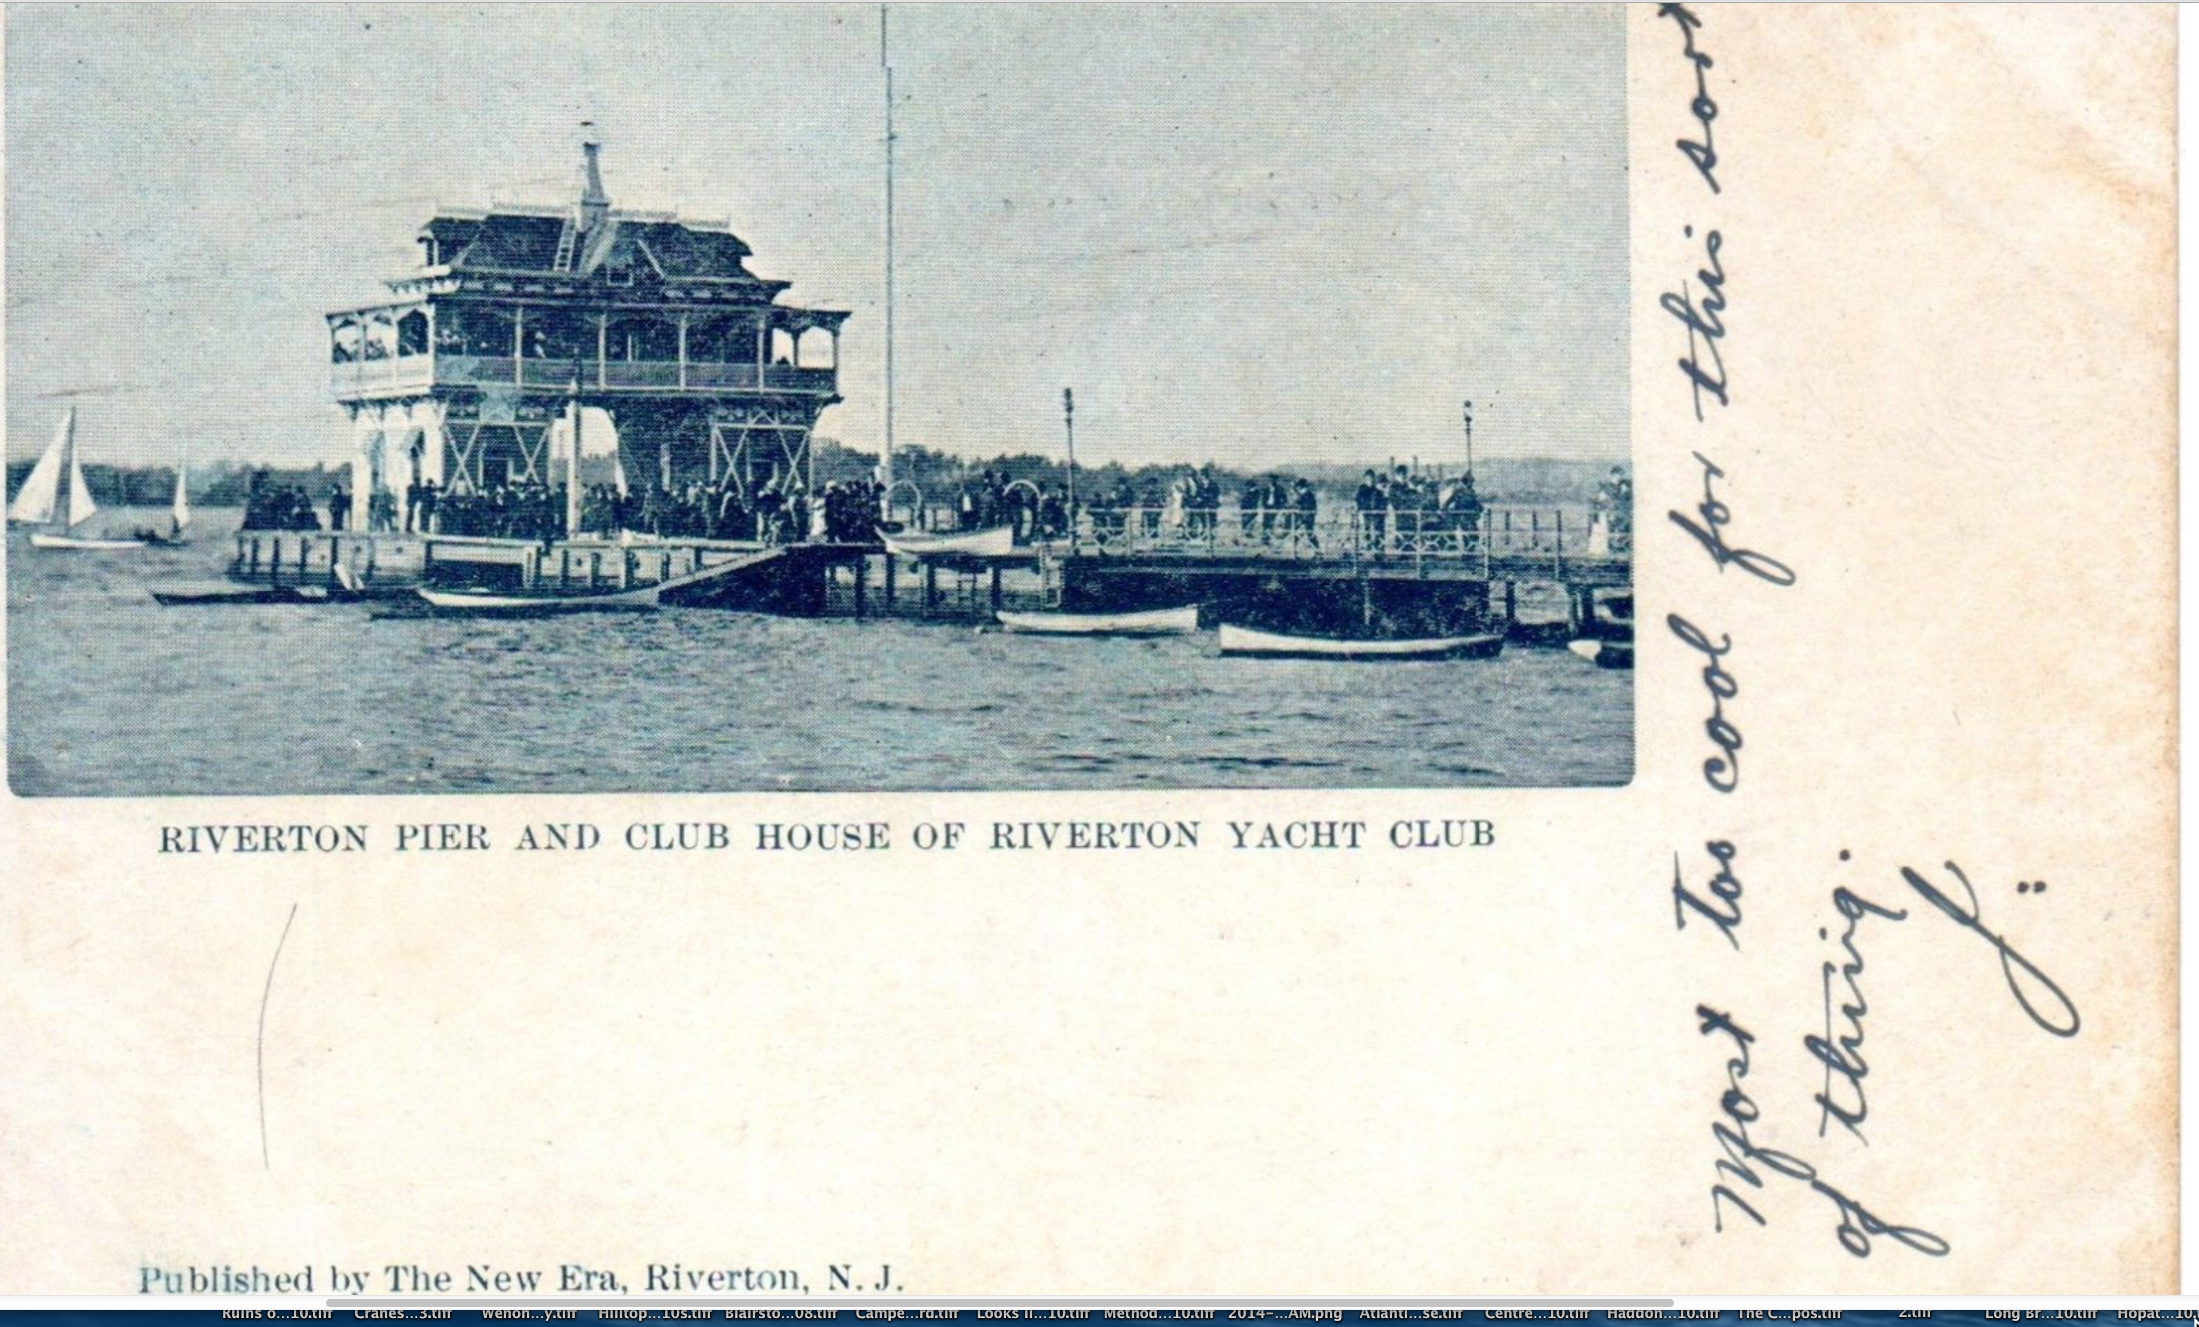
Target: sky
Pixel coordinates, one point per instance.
(1261, 234)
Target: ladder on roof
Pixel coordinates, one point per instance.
(567, 239)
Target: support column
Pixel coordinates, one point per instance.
(519, 346)
(683, 352)
(603, 338)
(428, 416)
(366, 463)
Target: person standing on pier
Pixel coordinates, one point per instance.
(339, 506)
(1053, 513)
(1309, 508)
(1462, 511)
(1369, 503)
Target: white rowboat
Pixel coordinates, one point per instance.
(1248, 643)
(1155, 622)
(633, 599)
(71, 542)
(1605, 653)
(639, 599)
(995, 543)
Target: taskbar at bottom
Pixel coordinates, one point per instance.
(1275, 1313)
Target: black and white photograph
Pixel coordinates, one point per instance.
(677, 398)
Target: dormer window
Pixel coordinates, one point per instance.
(619, 271)
(431, 253)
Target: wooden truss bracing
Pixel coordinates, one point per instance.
(469, 442)
(748, 436)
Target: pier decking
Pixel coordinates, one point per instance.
(1342, 568)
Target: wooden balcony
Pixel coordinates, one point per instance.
(412, 375)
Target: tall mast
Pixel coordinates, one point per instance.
(64, 508)
(886, 471)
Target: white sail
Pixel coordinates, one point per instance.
(81, 506)
(34, 502)
(182, 508)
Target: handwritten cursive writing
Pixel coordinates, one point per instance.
(1705, 323)
(1722, 771)
(1703, 152)
(1842, 1055)
(1711, 533)
(1724, 886)
(1745, 1161)
(2023, 976)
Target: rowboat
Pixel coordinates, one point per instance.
(1605, 653)
(1154, 622)
(994, 543)
(525, 603)
(73, 543)
(631, 599)
(214, 595)
(1248, 643)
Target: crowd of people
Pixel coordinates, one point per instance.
(1276, 507)
(992, 500)
(1405, 503)
(1267, 508)
(779, 512)
(272, 506)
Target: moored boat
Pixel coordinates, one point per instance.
(638, 599)
(994, 543)
(191, 596)
(1154, 622)
(1605, 653)
(80, 545)
(1248, 643)
(629, 599)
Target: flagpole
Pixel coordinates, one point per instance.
(886, 469)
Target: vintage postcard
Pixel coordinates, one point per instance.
(793, 652)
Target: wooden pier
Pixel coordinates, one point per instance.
(1341, 573)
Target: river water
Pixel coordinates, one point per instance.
(110, 694)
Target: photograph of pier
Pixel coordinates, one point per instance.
(667, 398)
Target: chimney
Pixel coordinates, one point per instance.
(595, 205)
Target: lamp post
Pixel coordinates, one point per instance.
(1069, 426)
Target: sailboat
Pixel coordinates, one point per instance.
(179, 516)
(56, 495)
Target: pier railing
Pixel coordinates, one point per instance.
(1506, 533)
